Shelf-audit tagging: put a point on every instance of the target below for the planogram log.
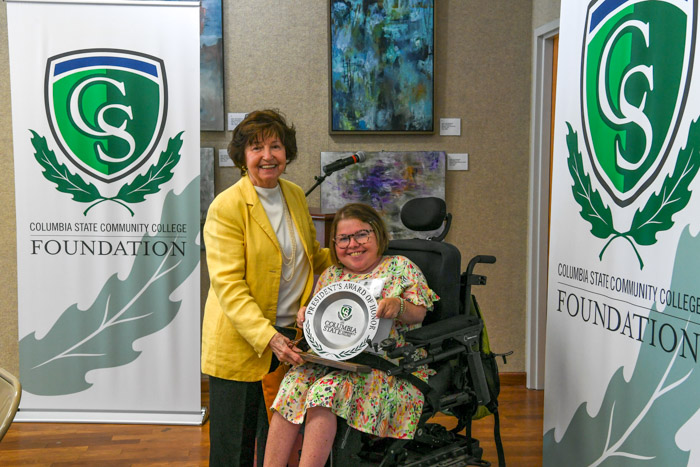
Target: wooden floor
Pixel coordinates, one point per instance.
(53, 444)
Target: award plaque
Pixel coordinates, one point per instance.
(341, 320)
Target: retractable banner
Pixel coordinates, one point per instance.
(623, 316)
(105, 114)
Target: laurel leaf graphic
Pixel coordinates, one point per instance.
(592, 208)
(59, 174)
(674, 195)
(102, 336)
(640, 416)
(308, 335)
(161, 172)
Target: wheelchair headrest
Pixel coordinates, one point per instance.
(423, 214)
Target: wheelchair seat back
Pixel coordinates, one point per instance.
(440, 263)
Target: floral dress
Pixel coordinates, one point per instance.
(374, 402)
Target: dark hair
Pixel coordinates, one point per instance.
(363, 213)
(256, 127)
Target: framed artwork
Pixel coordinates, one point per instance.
(381, 66)
(211, 66)
(206, 181)
(385, 181)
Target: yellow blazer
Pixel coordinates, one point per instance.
(245, 265)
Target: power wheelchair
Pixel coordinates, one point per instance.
(451, 334)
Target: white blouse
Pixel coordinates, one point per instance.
(289, 297)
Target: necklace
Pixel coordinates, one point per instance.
(289, 261)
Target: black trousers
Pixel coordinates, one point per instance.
(237, 416)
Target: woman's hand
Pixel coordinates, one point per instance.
(389, 307)
(301, 316)
(285, 350)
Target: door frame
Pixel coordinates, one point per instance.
(538, 225)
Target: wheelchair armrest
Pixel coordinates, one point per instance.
(460, 327)
(461, 331)
(466, 330)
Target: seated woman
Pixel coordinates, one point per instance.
(374, 402)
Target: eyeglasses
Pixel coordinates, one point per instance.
(361, 237)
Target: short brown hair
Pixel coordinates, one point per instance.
(257, 126)
(363, 213)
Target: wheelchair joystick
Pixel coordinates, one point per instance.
(371, 345)
(388, 345)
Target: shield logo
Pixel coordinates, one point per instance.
(106, 109)
(637, 61)
(345, 312)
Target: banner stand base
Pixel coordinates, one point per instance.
(140, 418)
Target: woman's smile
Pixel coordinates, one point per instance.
(357, 257)
(266, 160)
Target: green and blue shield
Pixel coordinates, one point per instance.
(345, 312)
(106, 109)
(637, 62)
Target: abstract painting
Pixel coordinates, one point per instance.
(381, 60)
(211, 66)
(385, 181)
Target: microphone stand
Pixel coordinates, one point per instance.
(336, 166)
(319, 179)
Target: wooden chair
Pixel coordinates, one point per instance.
(10, 394)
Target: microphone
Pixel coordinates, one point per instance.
(356, 158)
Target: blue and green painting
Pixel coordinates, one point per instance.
(381, 66)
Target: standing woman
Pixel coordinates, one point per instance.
(261, 254)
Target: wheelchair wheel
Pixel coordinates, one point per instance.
(434, 446)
